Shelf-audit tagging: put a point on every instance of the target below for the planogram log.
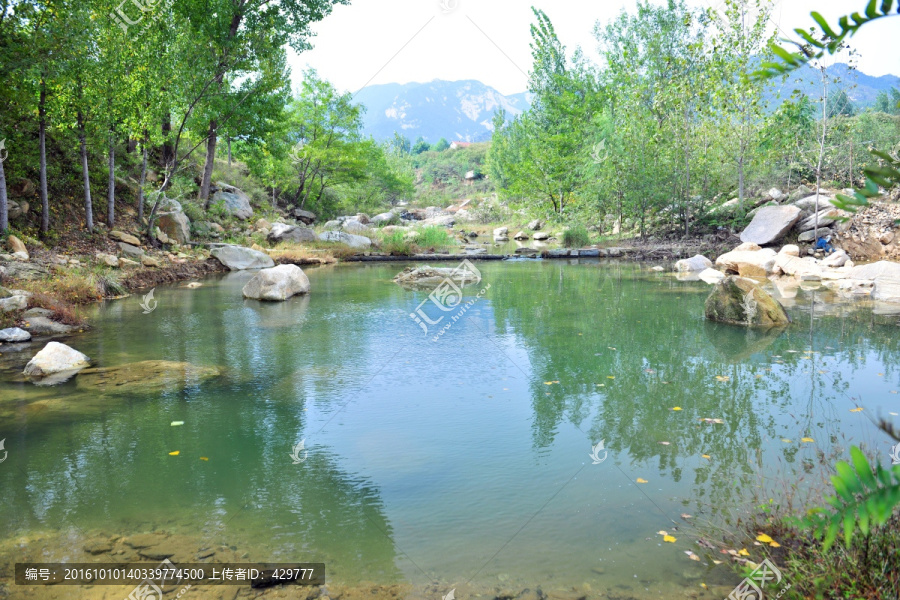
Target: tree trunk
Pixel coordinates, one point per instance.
(140, 197)
(167, 155)
(229, 151)
(82, 139)
(208, 167)
(4, 212)
(821, 154)
(111, 185)
(42, 143)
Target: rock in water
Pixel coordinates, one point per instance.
(144, 378)
(695, 263)
(277, 284)
(432, 277)
(741, 301)
(238, 258)
(770, 224)
(55, 358)
(14, 334)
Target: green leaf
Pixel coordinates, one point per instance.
(872, 8)
(862, 467)
(823, 24)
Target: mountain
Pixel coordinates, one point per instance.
(456, 110)
(862, 88)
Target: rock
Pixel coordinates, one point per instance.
(17, 302)
(131, 251)
(749, 270)
(46, 326)
(809, 203)
(790, 250)
(810, 276)
(886, 289)
(535, 225)
(176, 226)
(809, 236)
(291, 233)
(16, 209)
(235, 201)
(332, 225)
(16, 246)
(836, 259)
(440, 221)
(108, 259)
(792, 265)
(775, 194)
(748, 247)
(711, 276)
(162, 237)
(23, 270)
(826, 218)
(501, 232)
(770, 224)
(56, 358)
(800, 192)
(354, 241)
(355, 226)
(695, 263)
(14, 334)
(149, 261)
(144, 378)
(732, 261)
(657, 269)
(521, 236)
(384, 218)
(277, 284)
(37, 312)
(121, 236)
(262, 224)
(541, 236)
(238, 258)
(886, 238)
(127, 262)
(98, 547)
(742, 301)
(872, 271)
(304, 216)
(432, 277)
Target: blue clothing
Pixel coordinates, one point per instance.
(822, 244)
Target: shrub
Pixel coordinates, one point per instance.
(396, 244)
(576, 237)
(434, 237)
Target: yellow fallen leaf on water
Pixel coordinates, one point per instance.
(807, 440)
(775, 544)
(705, 455)
(676, 408)
(785, 440)
(693, 556)
(206, 458)
(662, 532)
(763, 538)
(743, 552)
(823, 372)
(670, 539)
(550, 382)
(610, 377)
(717, 562)
(722, 377)
(177, 423)
(716, 421)
(703, 585)
(686, 516)
(600, 385)
(857, 409)
(804, 358)
(881, 374)
(610, 347)
(176, 453)
(640, 480)
(664, 443)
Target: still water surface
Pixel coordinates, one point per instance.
(465, 459)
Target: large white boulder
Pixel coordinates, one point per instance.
(277, 284)
(239, 258)
(886, 289)
(735, 260)
(56, 358)
(770, 224)
(882, 268)
(233, 200)
(354, 241)
(711, 276)
(695, 263)
(281, 232)
(793, 265)
(826, 217)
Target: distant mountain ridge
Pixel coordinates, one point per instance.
(463, 110)
(456, 110)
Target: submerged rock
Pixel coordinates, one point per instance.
(14, 334)
(432, 277)
(277, 284)
(742, 301)
(56, 358)
(144, 377)
(695, 263)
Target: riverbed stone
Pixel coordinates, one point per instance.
(826, 217)
(131, 251)
(176, 226)
(431, 277)
(535, 225)
(741, 301)
(17, 247)
(291, 233)
(732, 261)
(55, 358)
(14, 334)
(354, 241)
(882, 268)
(541, 236)
(143, 378)
(41, 325)
(233, 200)
(790, 250)
(770, 224)
(521, 236)
(239, 258)
(695, 263)
(16, 302)
(277, 284)
(711, 276)
(304, 216)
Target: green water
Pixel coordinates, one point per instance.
(449, 460)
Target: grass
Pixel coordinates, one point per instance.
(576, 237)
(434, 237)
(396, 244)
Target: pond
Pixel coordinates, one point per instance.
(463, 458)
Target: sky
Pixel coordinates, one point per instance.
(400, 41)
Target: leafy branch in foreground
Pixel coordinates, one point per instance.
(864, 499)
(886, 175)
(830, 41)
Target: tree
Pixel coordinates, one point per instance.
(441, 145)
(420, 146)
(839, 103)
(888, 102)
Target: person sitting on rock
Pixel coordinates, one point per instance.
(823, 243)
